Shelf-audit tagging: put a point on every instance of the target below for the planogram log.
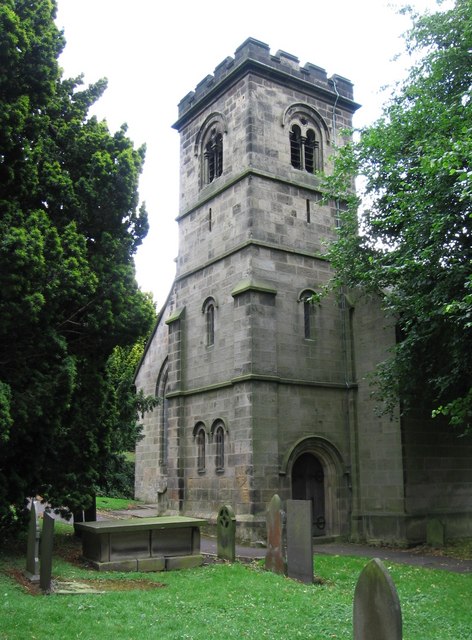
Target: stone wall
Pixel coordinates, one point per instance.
(150, 479)
(438, 476)
(379, 503)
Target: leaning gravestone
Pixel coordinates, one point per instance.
(47, 540)
(299, 540)
(274, 559)
(226, 534)
(32, 549)
(377, 611)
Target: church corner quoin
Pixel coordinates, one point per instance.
(264, 393)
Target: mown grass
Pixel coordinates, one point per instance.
(226, 601)
(116, 504)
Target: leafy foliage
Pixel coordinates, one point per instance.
(70, 223)
(124, 409)
(407, 237)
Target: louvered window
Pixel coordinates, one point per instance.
(296, 147)
(305, 152)
(214, 156)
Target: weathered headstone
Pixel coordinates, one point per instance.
(377, 611)
(435, 532)
(299, 540)
(226, 534)
(275, 558)
(47, 542)
(32, 549)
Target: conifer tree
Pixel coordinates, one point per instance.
(70, 224)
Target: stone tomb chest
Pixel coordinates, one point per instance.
(142, 544)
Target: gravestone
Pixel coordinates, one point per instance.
(435, 532)
(47, 541)
(226, 534)
(274, 559)
(299, 540)
(32, 549)
(377, 611)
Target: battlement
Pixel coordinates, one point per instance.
(257, 52)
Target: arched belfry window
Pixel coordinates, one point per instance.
(308, 135)
(296, 147)
(208, 310)
(305, 149)
(213, 155)
(209, 146)
(312, 152)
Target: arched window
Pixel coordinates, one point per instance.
(208, 310)
(312, 156)
(218, 433)
(306, 298)
(200, 441)
(209, 147)
(213, 155)
(304, 150)
(220, 448)
(163, 419)
(210, 324)
(308, 136)
(296, 147)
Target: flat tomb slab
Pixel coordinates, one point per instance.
(159, 522)
(149, 544)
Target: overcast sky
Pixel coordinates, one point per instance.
(153, 53)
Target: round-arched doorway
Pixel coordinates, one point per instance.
(314, 470)
(308, 483)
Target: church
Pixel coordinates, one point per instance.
(263, 390)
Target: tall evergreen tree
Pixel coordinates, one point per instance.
(409, 238)
(70, 224)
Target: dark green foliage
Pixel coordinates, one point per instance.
(123, 409)
(409, 240)
(70, 223)
(118, 479)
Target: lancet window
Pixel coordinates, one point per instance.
(163, 416)
(200, 440)
(220, 448)
(306, 298)
(208, 311)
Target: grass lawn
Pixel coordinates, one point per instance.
(222, 601)
(116, 504)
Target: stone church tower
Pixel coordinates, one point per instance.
(262, 391)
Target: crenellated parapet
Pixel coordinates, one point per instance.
(255, 55)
